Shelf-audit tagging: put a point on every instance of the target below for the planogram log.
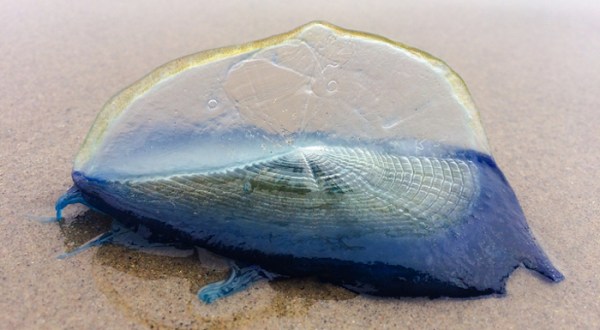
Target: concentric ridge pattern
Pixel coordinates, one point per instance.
(316, 188)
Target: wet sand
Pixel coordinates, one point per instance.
(533, 70)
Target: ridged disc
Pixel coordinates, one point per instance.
(314, 188)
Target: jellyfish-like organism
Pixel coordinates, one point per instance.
(320, 152)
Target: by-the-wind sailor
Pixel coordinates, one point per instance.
(320, 152)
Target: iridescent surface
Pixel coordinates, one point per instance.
(320, 152)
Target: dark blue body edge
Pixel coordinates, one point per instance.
(375, 278)
(370, 279)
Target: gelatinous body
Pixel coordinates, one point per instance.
(321, 152)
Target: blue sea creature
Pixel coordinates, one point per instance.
(320, 152)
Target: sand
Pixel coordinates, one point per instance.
(533, 70)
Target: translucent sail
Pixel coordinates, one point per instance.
(287, 91)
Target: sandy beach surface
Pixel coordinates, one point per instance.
(532, 67)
